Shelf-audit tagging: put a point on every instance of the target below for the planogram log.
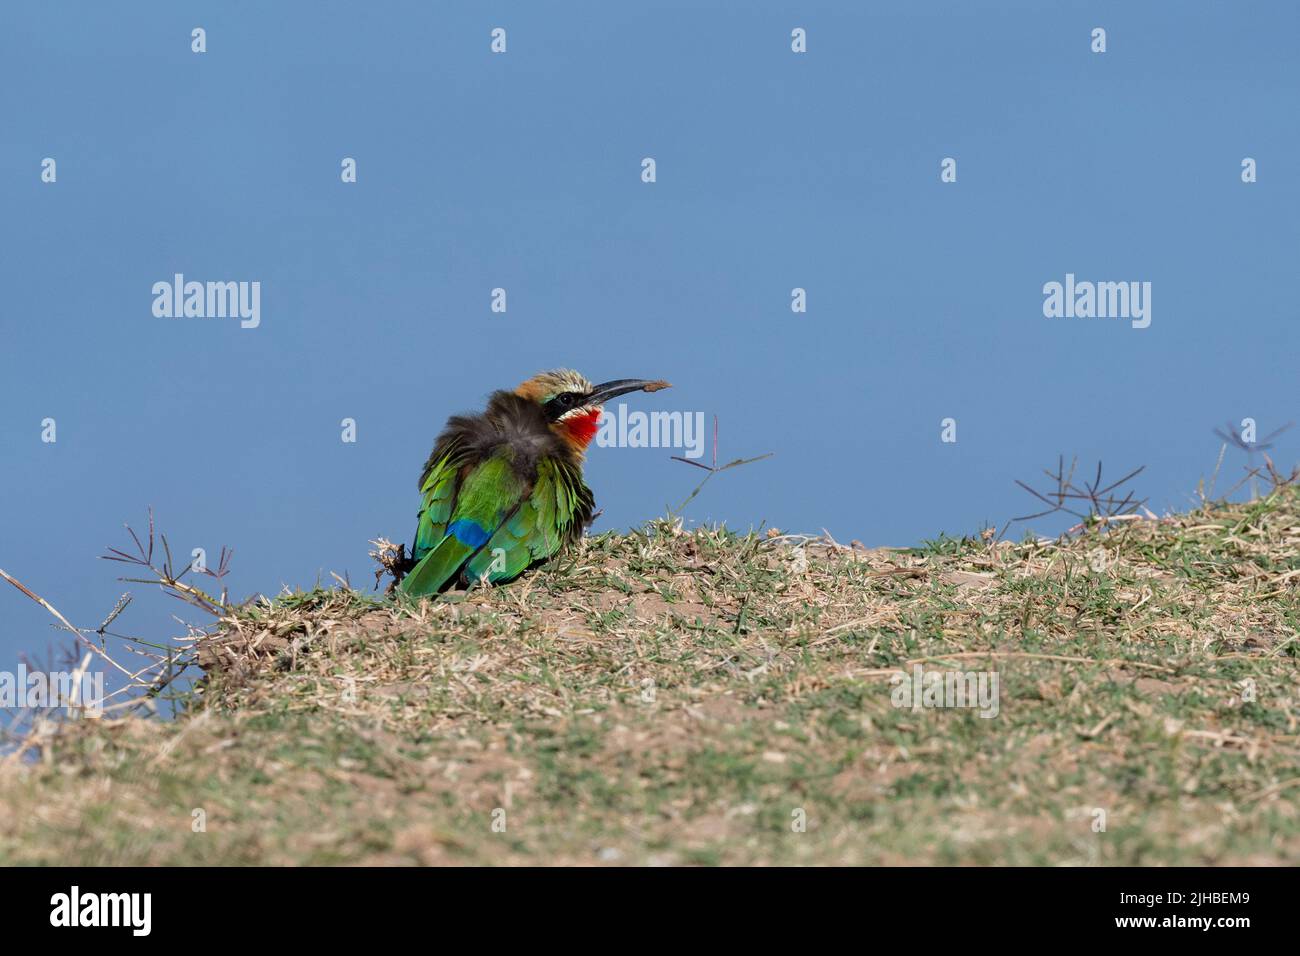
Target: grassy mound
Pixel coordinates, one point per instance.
(702, 697)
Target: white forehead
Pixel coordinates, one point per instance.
(567, 380)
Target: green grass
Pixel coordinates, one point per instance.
(672, 697)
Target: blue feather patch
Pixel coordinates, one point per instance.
(468, 532)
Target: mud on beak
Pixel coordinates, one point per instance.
(607, 390)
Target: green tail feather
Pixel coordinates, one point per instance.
(437, 568)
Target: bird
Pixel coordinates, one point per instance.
(503, 491)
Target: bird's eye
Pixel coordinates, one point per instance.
(566, 400)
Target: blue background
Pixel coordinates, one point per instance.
(522, 170)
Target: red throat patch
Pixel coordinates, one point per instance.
(582, 428)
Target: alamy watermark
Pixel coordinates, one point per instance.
(1098, 300)
(75, 908)
(637, 429)
(78, 691)
(209, 300)
(946, 688)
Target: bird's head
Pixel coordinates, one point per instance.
(572, 404)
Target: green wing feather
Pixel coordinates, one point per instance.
(486, 521)
(439, 485)
(554, 514)
(489, 494)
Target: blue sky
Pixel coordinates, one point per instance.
(522, 170)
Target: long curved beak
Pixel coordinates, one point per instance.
(607, 390)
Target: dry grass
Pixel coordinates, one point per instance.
(688, 697)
